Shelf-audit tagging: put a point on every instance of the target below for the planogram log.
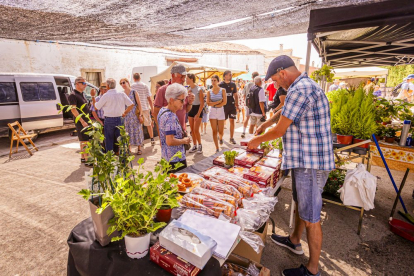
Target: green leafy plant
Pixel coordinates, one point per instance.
(363, 115)
(277, 144)
(229, 157)
(335, 181)
(389, 132)
(325, 71)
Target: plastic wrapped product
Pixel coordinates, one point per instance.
(216, 195)
(260, 202)
(224, 189)
(229, 179)
(248, 221)
(253, 240)
(271, 162)
(213, 171)
(275, 153)
(247, 159)
(211, 206)
(263, 176)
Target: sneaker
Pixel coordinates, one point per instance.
(193, 149)
(152, 142)
(300, 271)
(221, 142)
(200, 149)
(285, 242)
(232, 141)
(243, 135)
(217, 150)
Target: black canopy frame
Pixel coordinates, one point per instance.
(376, 34)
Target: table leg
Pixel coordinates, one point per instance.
(292, 212)
(360, 221)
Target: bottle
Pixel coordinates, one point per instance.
(409, 141)
(404, 132)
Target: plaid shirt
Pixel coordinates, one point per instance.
(307, 142)
(99, 112)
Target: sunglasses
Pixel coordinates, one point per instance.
(84, 83)
(181, 100)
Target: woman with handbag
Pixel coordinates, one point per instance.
(172, 137)
(134, 119)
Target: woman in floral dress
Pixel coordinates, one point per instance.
(132, 125)
(242, 103)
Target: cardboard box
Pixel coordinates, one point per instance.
(263, 176)
(237, 170)
(271, 162)
(171, 262)
(247, 159)
(245, 141)
(257, 151)
(187, 243)
(244, 262)
(245, 250)
(213, 171)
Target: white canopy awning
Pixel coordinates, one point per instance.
(361, 72)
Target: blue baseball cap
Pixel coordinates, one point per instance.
(409, 77)
(277, 64)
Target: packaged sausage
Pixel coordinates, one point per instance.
(221, 188)
(212, 207)
(216, 195)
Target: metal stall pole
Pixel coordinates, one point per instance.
(308, 54)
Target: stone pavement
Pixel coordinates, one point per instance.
(40, 206)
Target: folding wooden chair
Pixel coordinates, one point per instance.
(19, 135)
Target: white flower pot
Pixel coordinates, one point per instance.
(137, 248)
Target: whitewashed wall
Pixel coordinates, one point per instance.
(43, 57)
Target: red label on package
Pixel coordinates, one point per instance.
(171, 262)
(247, 159)
(264, 176)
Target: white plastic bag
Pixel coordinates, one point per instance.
(359, 188)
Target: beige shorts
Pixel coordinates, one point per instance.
(147, 117)
(255, 121)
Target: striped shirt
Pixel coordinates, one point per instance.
(307, 142)
(143, 94)
(216, 97)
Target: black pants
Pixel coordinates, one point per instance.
(184, 162)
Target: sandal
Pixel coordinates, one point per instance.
(83, 160)
(139, 152)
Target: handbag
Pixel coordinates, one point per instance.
(137, 113)
(186, 146)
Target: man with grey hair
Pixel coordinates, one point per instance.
(256, 102)
(178, 75)
(113, 104)
(77, 100)
(172, 135)
(334, 86)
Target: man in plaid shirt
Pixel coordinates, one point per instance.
(305, 126)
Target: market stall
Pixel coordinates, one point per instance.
(202, 71)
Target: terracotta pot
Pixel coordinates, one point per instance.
(137, 247)
(365, 146)
(101, 224)
(379, 138)
(344, 139)
(386, 123)
(164, 215)
(389, 140)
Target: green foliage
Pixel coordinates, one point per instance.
(325, 71)
(396, 74)
(335, 181)
(393, 110)
(364, 117)
(229, 157)
(389, 132)
(337, 99)
(342, 122)
(136, 202)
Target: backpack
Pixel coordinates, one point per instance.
(250, 101)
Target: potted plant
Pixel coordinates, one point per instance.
(104, 168)
(364, 119)
(379, 134)
(343, 124)
(389, 134)
(229, 157)
(135, 202)
(266, 147)
(334, 182)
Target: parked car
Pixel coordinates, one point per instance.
(33, 100)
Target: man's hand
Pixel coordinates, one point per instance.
(186, 140)
(93, 92)
(254, 143)
(260, 129)
(191, 97)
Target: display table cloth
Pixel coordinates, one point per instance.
(397, 157)
(88, 257)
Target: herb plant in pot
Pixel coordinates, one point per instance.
(389, 134)
(364, 119)
(135, 203)
(343, 124)
(229, 157)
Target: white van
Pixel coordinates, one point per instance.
(33, 100)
